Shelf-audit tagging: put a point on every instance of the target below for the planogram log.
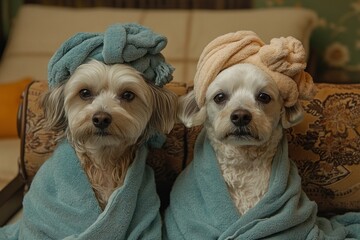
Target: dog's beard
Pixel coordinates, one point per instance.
(242, 132)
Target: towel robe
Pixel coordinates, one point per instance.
(201, 206)
(62, 205)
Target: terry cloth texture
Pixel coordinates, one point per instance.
(201, 206)
(284, 59)
(62, 205)
(128, 43)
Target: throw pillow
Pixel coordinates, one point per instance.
(325, 147)
(10, 96)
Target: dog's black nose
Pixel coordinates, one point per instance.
(101, 120)
(240, 117)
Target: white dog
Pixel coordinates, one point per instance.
(241, 183)
(244, 117)
(106, 112)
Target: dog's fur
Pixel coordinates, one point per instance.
(244, 119)
(106, 112)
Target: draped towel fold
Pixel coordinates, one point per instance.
(62, 205)
(201, 206)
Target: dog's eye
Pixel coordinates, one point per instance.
(264, 98)
(219, 98)
(85, 94)
(127, 95)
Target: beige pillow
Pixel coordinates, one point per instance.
(38, 31)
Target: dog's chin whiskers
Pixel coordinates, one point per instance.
(102, 133)
(242, 133)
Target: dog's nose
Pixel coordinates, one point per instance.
(240, 117)
(101, 120)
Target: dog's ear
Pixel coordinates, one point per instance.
(291, 116)
(52, 102)
(164, 114)
(188, 111)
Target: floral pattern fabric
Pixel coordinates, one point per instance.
(325, 147)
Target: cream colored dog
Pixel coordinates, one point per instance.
(245, 93)
(106, 112)
(244, 117)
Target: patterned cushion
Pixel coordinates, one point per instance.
(36, 143)
(325, 147)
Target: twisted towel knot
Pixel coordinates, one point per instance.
(284, 59)
(129, 43)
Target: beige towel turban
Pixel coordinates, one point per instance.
(283, 59)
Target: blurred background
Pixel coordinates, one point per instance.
(336, 40)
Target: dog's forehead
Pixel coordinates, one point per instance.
(243, 75)
(100, 76)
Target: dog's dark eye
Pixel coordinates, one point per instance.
(127, 95)
(264, 98)
(219, 98)
(85, 94)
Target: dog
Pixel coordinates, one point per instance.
(106, 112)
(241, 183)
(244, 117)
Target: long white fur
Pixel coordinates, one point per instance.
(106, 157)
(245, 160)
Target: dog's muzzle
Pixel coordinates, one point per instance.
(101, 120)
(240, 117)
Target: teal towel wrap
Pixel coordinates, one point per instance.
(62, 205)
(201, 206)
(128, 43)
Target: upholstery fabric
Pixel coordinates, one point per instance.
(325, 147)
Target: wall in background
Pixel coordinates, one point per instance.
(8, 9)
(336, 40)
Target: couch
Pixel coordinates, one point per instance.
(328, 160)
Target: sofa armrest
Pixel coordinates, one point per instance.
(11, 199)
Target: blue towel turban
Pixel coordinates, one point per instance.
(128, 43)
